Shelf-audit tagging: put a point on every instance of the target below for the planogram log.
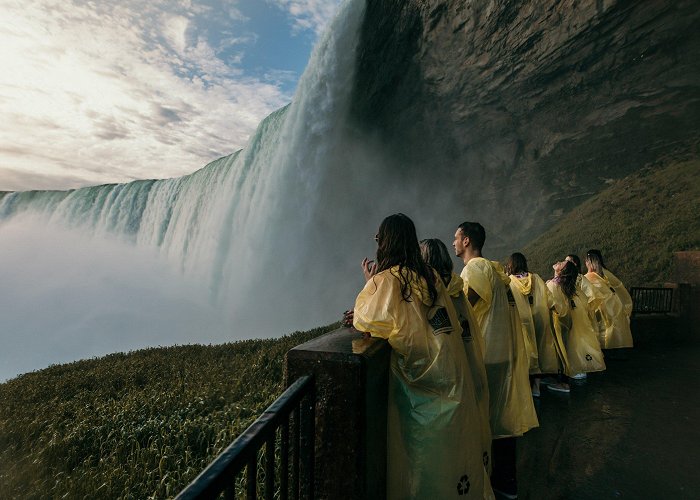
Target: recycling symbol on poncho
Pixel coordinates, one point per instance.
(463, 485)
(589, 357)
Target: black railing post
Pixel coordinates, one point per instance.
(251, 478)
(270, 468)
(220, 475)
(296, 443)
(284, 460)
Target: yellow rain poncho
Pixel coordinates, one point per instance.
(591, 296)
(575, 333)
(512, 411)
(533, 301)
(612, 311)
(473, 347)
(433, 441)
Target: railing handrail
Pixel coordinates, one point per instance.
(651, 299)
(214, 478)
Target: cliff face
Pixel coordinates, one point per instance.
(523, 109)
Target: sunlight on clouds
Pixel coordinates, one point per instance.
(311, 15)
(175, 28)
(110, 92)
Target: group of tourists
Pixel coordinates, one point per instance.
(469, 352)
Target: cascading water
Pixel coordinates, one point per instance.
(237, 230)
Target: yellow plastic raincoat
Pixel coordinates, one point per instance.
(473, 347)
(433, 440)
(622, 292)
(512, 411)
(533, 301)
(575, 333)
(613, 311)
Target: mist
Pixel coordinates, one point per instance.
(65, 295)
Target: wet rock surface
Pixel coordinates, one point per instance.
(518, 111)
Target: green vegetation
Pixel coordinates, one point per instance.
(135, 425)
(638, 222)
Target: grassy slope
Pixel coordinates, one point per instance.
(638, 222)
(134, 425)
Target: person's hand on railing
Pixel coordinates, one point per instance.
(347, 318)
(346, 322)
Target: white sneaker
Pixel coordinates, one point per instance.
(559, 387)
(580, 376)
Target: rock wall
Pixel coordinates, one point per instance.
(523, 109)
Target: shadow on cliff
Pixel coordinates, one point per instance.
(515, 112)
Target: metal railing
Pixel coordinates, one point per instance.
(646, 300)
(292, 413)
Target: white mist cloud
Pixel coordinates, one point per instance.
(311, 15)
(120, 90)
(65, 296)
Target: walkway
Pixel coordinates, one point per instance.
(632, 432)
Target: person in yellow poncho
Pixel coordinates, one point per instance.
(512, 411)
(573, 330)
(533, 301)
(587, 291)
(582, 282)
(433, 443)
(615, 307)
(436, 255)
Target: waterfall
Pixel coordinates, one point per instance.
(236, 227)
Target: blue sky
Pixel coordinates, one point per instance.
(103, 91)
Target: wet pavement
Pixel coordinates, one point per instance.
(631, 432)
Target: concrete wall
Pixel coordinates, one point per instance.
(352, 375)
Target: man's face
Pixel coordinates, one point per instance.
(460, 243)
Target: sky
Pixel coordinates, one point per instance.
(104, 91)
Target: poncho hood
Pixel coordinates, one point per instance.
(524, 284)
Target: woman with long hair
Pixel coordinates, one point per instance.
(431, 451)
(587, 290)
(576, 338)
(533, 301)
(615, 306)
(436, 255)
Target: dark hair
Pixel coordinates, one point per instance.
(516, 264)
(574, 258)
(596, 259)
(398, 246)
(435, 254)
(567, 279)
(475, 232)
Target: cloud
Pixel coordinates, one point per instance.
(119, 90)
(311, 15)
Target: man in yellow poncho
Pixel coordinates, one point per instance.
(433, 441)
(436, 255)
(512, 412)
